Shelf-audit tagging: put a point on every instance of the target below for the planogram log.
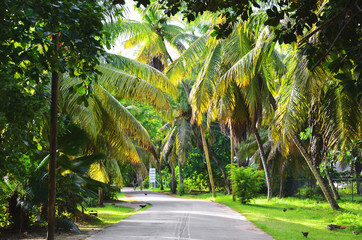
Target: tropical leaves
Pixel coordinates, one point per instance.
(111, 127)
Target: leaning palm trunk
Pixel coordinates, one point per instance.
(331, 185)
(227, 183)
(222, 171)
(265, 166)
(327, 194)
(208, 162)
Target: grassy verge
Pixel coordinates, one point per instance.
(106, 216)
(302, 215)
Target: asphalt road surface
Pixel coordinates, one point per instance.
(176, 218)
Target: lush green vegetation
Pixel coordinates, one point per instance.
(275, 85)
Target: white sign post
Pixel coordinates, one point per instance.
(152, 177)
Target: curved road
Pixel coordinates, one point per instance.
(176, 218)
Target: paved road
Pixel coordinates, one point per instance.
(175, 218)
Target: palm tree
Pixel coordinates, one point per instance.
(151, 36)
(312, 98)
(240, 70)
(110, 126)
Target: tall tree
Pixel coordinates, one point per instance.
(57, 45)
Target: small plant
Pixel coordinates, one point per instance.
(182, 189)
(247, 182)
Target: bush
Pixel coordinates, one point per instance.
(247, 182)
(311, 192)
(110, 192)
(182, 189)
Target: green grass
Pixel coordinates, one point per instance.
(302, 215)
(120, 195)
(107, 215)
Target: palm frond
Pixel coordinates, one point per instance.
(126, 122)
(145, 72)
(188, 60)
(168, 143)
(123, 85)
(202, 91)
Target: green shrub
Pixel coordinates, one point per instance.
(110, 192)
(182, 189)
(247, 182)
(311, 192)
(197, 182)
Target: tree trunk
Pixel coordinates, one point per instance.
(100, 196)
(208, 162)
(52, 158)
(179, 173)
(173, 185)
(232, 164)
(331, 185)
(282, 178)
(160, 173)
(222, 172)
(265, 166)
(227, 183)
(327, 194)
(358, 169)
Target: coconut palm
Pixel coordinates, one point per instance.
(312, 98)
(151, 36)
(240, 70)
(110, 126)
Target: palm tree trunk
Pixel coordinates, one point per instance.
(331, 185)
(173, 185)
(327, 194)
(179, 173)
(208, 163)
(53, 153)
(199, 141)
(100, 196)
(232, 163)
(160, 173)
(282, 178)
(222, 171)
(265, 166)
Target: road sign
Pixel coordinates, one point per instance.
(152, 175)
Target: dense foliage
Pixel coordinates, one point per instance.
(247, 182)
(272, 84)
